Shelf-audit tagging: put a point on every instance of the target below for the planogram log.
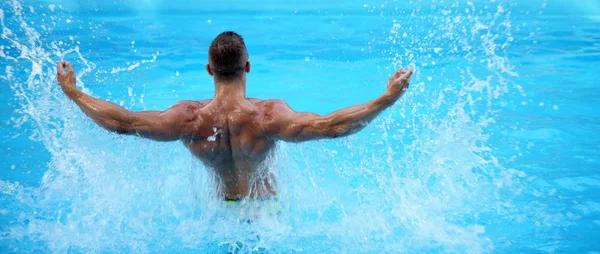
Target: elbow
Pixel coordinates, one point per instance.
(344, 130)
(117, 127)
(327, 130)
(339, 132)
(105, 120)
(331, 133)
(121, 130)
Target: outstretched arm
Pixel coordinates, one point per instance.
(296, 127)
(166, 125)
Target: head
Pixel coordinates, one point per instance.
(228, 57)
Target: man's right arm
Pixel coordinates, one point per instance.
(168, 125)
(292, 126)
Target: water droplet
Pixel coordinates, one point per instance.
(307, 59)
(177, 73)
(214, 136)
(555, 107)
(68, 21)
(209, 21)
(541, 104)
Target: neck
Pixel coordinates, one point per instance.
(230, 89)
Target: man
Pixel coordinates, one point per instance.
(232, 134)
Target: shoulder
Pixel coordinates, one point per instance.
(186, 110)
(191, 104)
(277, 111)
(255, 101)
(273, 113)
(270, 107)
(273, 105)
(189, 107)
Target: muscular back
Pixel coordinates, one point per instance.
(232, 139)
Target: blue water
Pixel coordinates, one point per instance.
(493, 149)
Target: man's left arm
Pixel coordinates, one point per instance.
(291, 126)
(166, 125)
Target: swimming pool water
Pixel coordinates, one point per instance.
(493, 149)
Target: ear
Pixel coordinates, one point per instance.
(247, 66)
(209, 70)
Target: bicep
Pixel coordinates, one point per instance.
(168, 125)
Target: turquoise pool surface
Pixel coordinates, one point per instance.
(494, 149)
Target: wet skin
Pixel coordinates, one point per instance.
(231, 134)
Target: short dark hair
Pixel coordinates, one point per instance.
(227, 55)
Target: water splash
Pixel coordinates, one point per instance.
(214, 136)
(423, 178)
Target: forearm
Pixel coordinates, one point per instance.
(353, 119)
(106, 114)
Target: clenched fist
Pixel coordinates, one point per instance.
(66, 78)
(400, 81)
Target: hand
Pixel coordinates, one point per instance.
(66, 78)
(400, 81)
